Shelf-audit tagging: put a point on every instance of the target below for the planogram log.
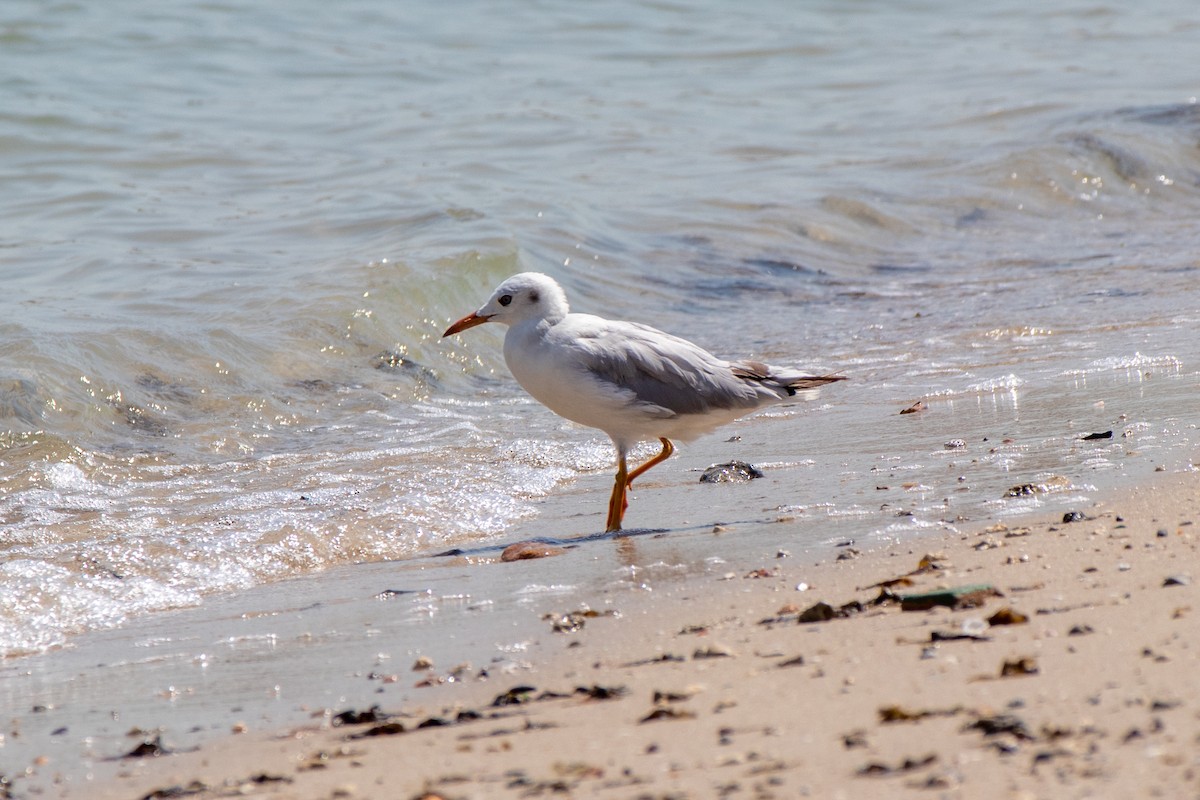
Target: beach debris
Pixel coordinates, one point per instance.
(888, 714)
(322, 758)
(1054, 483)
(712, 651)
(954, 444)
(915, 408)
(848, 554)
(661, 697)
(573, 621)
(429, 680)
(178, 790)
(149, 748)
(936, 781)
(388, 594)
(1001, 723)
(1007, 616)
(855, 739)
(567, 623)
(434, 722)
(731, 472)
(667, 713)
(353, 717)
(1157, 657)
(930, 562)
(1073, 516)
(598, 692)
(902, 580)
(1094, 436)
(956, 636)
(516, 696)
(665, 658)
(823, 612)
(1177, 580)
(1019, 666)
(956, 597)
(422, 663)
(386, 729)
(877, 769)
(794, 661)
(1080, 630)
(523, 551)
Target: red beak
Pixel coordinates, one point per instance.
(469, 321)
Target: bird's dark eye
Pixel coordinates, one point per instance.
(505, 299)
(533, 297)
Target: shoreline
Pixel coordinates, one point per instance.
(711, 686)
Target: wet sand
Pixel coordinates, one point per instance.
(715, 687)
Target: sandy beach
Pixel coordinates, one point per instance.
(253, 501)
(1060, 663)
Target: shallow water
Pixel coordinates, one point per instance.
(233, 236)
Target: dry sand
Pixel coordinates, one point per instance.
(720, 691)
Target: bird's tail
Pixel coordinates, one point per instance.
(779, 380)
(800, 383)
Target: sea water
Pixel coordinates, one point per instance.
(231, 235)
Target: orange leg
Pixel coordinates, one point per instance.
(667, 450)
(617, 503)
(620, 495)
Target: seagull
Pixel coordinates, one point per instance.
(631, 381)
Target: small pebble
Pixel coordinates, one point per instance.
(731, 472)
(526, 550)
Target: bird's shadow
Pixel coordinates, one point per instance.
(567, 542)
(571, 542)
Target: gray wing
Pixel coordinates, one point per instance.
(662, 370)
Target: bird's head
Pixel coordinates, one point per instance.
(529, 295)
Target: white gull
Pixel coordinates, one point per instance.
(631, 381)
